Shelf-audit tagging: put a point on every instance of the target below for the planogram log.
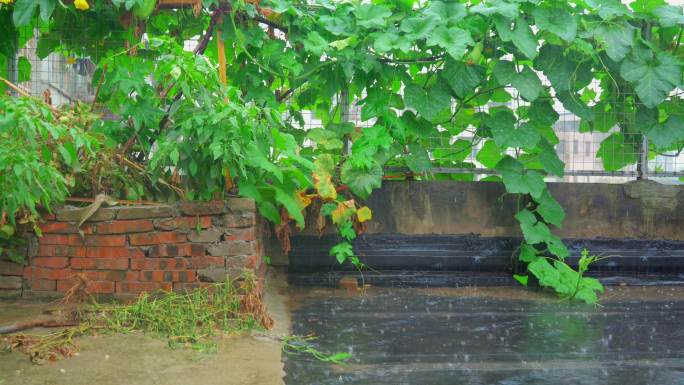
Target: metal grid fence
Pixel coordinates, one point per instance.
(63, 77)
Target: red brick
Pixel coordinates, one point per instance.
(186, 276)
(138, 287)
(51, 262)
(60, 251)
(113, 252)
(100, 263)
(60, 239)
(252, 262)
(181, 250)
(202, 208)
(83, 263)
(101, 287)
(168, 276)
(132, 276)
(157, 238)
(76, 240)
(155, 276)
(158, 264)
(48, 216)
(184, 223)
(241, 234)
(125, 227)
(64, 228)
(204, 262)
(105, 275)
(105, 240)
(45, 273)
(43, 285)
(93, 286)
(64, 285)
(11, 268)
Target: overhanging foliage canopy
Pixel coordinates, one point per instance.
(417, 68)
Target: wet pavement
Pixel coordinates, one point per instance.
(489, 335)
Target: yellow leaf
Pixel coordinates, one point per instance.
(364, 214)
(343, 211)
(304, 200)
(324, 186)
(325, 165)
(71, 60)
(82, 5)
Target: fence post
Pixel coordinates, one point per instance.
(643, 153)
(643, 158)
(344, 114)
(12, 67)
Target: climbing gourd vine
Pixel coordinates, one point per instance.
(496, 70)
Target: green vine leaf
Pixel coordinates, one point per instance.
(47, 7)
(653, 75)
(361, 182)
(417, 28)
(616, 38)
(518, 180)
(549, 159)
(497, 7)
(428, 103)
(446, 12)
(524, 39)
(556, 66)
(528, 253)
(609, 9)
(557, 21)
(462, 78)
(372, 15)
(665, 135)
(615, 153)
(454, 40)
(533, 230)
(24, 11)
(550, 209)
(490, 154)
(669, 15)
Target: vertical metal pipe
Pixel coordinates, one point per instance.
(643, 172)
(345, 114)
(642, 164)
(13, 66)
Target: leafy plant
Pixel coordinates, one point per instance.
(295, 345)
(417, 70)
(40, 149)
(566, 282)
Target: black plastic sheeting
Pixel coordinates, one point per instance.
(441, 253)
(423, 337)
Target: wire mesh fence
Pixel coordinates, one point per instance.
(63, 77)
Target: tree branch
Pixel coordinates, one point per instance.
(263, 20)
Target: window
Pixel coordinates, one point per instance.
(575, 146)
(587, 148)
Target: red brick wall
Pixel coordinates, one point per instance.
(131, 249)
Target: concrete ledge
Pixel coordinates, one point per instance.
(639, 210)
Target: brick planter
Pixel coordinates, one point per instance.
(130, 249)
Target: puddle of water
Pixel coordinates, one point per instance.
(501, 335)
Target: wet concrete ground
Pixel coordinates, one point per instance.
(402, 336)
(137, 359)
(499, 335)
